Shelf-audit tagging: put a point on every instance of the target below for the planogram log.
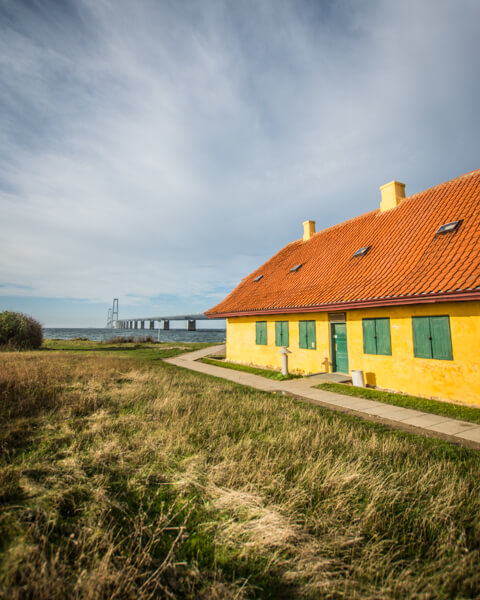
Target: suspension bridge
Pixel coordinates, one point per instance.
(113, 321)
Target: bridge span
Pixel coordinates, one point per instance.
(139, 322)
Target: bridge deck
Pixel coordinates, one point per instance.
(188, 317)
(134, 322)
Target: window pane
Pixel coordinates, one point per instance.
(422, 345)
(285, 340)
(441, 341)
(382, 328)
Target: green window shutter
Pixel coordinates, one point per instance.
(441, 341)
(311, 335)
(281, 333)
(422, 345)
(382, 331)
(278, 333)
(302, 334)
(261, 333)
(369, 342)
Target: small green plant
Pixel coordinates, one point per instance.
(19, 331)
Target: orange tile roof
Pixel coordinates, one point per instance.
(406, 264)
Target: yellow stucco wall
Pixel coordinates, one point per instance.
(457, 379)
(241, 346)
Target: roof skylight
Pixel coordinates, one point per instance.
(295, 268)
(362, 251)
(258, 278)
(449, 227)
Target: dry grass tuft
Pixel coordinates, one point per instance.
(251, 524)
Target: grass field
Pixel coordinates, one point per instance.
(125, 477)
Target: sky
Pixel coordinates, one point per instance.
(158, 151)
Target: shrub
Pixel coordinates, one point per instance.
(119, 339)
(19, 332)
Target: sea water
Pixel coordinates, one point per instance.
(170, 335)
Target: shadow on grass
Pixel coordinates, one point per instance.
(19, 439)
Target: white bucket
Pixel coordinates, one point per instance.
(357, 379)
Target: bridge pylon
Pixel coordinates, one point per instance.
(112, 317)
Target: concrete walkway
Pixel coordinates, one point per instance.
(415, 421)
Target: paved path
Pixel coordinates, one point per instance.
(453, 430)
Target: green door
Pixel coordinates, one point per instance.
(339, 348)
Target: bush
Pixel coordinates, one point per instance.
(20, 332)
(122, 339)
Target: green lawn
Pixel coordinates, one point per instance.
(123, 476)
(270, 373)
(436, 407)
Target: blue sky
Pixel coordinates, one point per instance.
(159, 151)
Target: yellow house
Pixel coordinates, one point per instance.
(394, 292)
